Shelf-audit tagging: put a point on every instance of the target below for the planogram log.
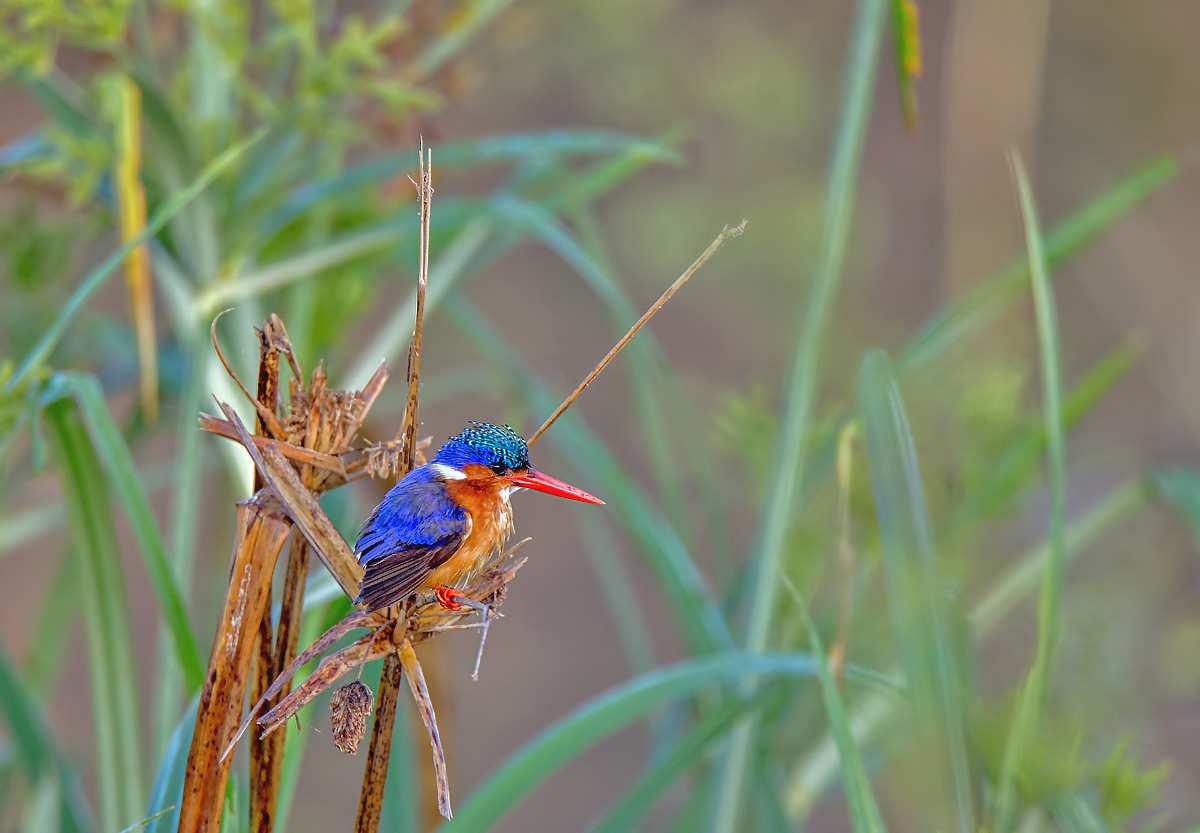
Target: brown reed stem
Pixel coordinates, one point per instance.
(726, 234)
(370, 803)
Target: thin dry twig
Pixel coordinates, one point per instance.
(370, 804)
(727, 233)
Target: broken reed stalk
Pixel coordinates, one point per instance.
(261, 533)
(726, 234)
(370, 801)
(266, 754)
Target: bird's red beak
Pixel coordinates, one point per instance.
(534, 479)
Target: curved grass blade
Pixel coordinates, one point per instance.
(1037, 686)
(519, 147)
(601, 717)
(788, 455)
(1071, 236)
(872, 713)
(36, 751)
(864, 812)
(930, 627)
(685, 754)
(85, 390)
(1014, 468)
(106, 618)
(97, 276)
(1181, 488)
(167, 794)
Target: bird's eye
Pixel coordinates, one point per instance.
(499, 468)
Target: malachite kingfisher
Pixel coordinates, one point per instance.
(444, 522)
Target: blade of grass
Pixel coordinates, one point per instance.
(871, 714)
(168, 784)
(85, 389)
(923, 613)
(469, 18)
(1014, 468)
(50, 640)
(603, 715)
(131, 202)
(519, 147)
(393, 337)
(335, 252)
(1181, 488)
(1070, 237)
(185, 505)
(106, 618)
(868, 717)
(864, 812)
(651, 785)
(1037, 686)
(788, 455)
(36, 750)
(97, 276)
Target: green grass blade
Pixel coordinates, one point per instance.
(684, 755)
(35, 747)
(51, 635)
(928, 626)
(1010, 283)
(788, 455)
(448, 269)
(470, 17)
(1018, 464)
(699, 620)
(168, 784)
(96, 278)
(601, 717)
(860, 801)
(1181, 488)
(518, 147)
(1037, 686)
(116, 717)
(341, 249)
(85, 389)
(871, 714)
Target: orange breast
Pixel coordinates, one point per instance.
(491, 524)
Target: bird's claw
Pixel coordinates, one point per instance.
(454, 600)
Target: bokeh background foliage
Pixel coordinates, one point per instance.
(896, 538)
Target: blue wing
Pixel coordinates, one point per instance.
(414, 529)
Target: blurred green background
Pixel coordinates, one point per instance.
(584, 154)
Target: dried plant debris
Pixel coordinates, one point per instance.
(350, 706)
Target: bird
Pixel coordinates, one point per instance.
(441, 525)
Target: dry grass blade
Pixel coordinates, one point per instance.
(224, 428)
(331, 669)
(726, 234)
(266, 415)
(302, 507)
(416, 683)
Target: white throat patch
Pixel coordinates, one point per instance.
(446, 472)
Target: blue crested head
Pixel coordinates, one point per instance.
(497, 447)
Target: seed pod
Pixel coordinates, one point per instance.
(350, 706)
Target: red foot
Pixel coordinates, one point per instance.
(448, 598)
